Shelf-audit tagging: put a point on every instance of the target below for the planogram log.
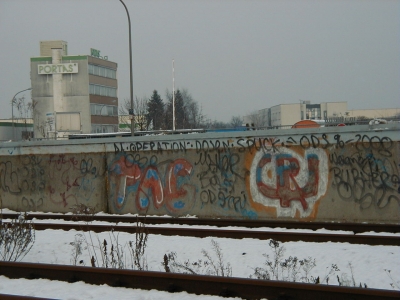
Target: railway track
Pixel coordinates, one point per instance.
(195, 284)
(234, 234)
(354, 227)
(282, 236)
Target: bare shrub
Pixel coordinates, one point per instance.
(16, 238)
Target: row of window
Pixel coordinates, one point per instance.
(102, 71)
(313, 114)
(100, 128)
(102, 90)
(103, 110)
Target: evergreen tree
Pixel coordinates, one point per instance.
(168, 115)
(155, 111)
(188, 113)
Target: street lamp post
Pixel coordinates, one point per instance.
(130, 62)
(12, 110)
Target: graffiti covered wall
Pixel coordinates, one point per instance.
(316, 174)
(52, 182)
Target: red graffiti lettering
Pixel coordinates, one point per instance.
(175, 194)
(287, 188)
(150, 187)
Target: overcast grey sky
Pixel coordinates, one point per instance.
(233, 56)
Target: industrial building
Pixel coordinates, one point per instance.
(73, 93)
(285, 115)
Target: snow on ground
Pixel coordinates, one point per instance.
(368, 263)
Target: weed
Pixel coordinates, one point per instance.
(332, 270)
(171, 264)
(298, 270)
(289, 269)
(84, 213)
(77, 250)
(113, 258)
(208, 266)
(217, 268)
(107, 253)
(138, 248)
(345, 280)
(394, 284)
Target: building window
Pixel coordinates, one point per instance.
(102, 71)
(104, 128)
(102, 90)
(103, 110)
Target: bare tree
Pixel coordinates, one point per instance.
(193, 111)
(38, 121)
(236, 121)
(25, 111)
(210, 124)
(139, 111)
(258, 119)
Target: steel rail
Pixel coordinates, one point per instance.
(233, 234)
(195, 284)
(354, 227)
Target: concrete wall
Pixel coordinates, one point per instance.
(325, 174)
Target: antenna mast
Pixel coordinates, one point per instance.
(173, 95)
